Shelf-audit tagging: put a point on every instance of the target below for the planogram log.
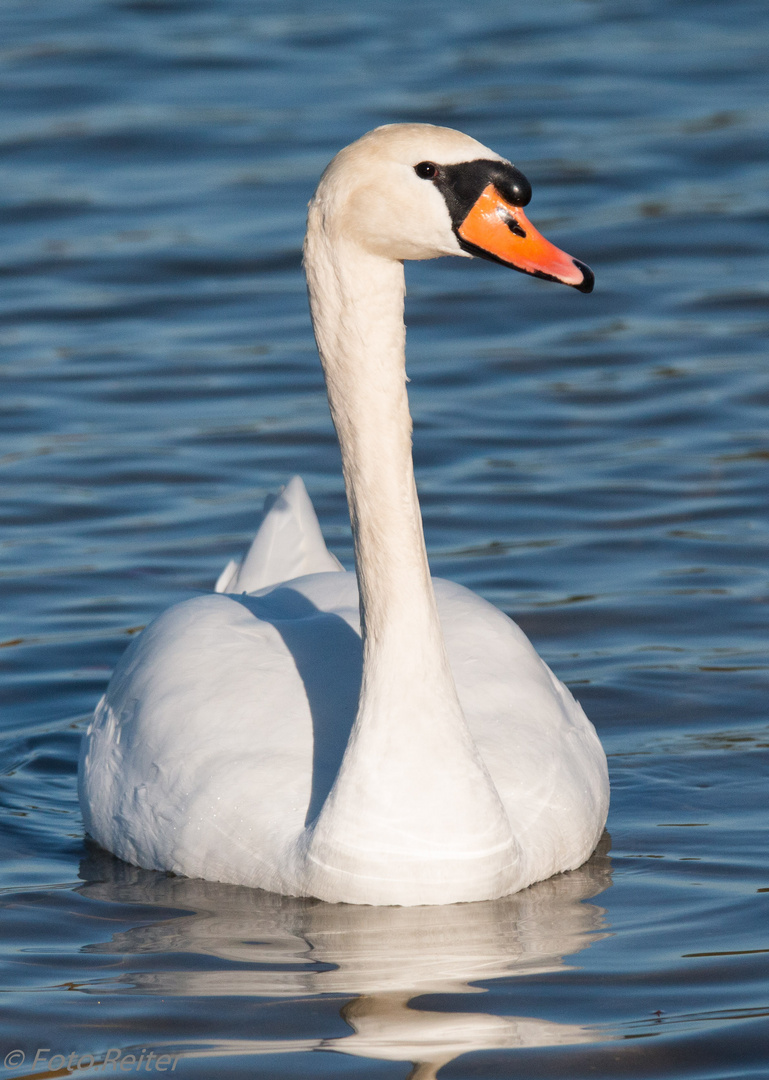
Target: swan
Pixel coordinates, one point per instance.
(372, 738)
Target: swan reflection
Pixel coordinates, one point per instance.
(380, 957)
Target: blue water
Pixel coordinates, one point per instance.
(594, 465)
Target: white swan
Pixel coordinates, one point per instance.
(237, 740)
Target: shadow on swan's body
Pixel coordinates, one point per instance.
(419, 752)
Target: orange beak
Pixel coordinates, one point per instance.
(496, 229)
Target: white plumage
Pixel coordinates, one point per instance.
(236, 741)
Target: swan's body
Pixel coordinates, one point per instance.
(237, 740)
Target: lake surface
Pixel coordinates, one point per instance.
(597, 466)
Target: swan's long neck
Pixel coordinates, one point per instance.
(412, 784)
(357, 305)
(361, 337)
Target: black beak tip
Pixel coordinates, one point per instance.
(588, 277)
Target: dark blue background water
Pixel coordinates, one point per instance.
(596, 466)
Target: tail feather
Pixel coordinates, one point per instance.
(288, 544)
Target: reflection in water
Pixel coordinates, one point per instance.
(382, 957)
(386, 1028)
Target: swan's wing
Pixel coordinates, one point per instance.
(221, 732)
(289, 544)
(541, 750)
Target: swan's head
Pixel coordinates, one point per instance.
(415, 191)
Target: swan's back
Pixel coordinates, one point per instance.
(226, 720)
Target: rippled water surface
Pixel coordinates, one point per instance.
(595, 465)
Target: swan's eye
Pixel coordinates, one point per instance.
(425, 170)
